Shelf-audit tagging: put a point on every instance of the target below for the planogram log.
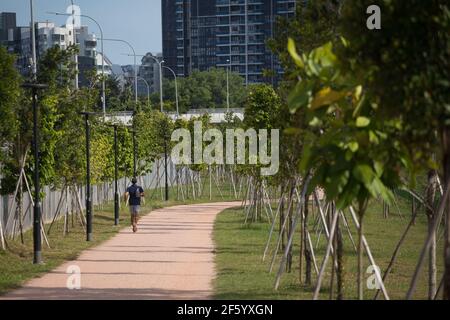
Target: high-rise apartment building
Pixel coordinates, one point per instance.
(7, 26)
(18, 41)
(201, 34)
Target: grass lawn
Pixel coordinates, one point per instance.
(16, 263)
(243, 275)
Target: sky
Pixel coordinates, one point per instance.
(136, 21)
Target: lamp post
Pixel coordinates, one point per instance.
(33, 42)
(88, 178)
(166, 178)
(160, 82)
(161, 85)
(103, 52)
(134, 151)
(228, 86)
(176, 88)
(37, 243)
(75, 57)
(116, 177)
(135, 65)
(165, 140)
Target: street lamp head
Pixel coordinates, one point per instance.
(57, 13)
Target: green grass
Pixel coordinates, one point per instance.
(243, 275)
(16, 262)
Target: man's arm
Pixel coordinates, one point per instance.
(142, 196)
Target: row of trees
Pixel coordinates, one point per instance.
(368, 110)
(62, 136)
(362, 113)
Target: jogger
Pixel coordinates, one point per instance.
(134, 194)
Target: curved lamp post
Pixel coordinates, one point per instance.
(160, 82)
(176, 88)
(135, 65)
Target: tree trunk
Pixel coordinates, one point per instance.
(361, 210)
(307, 252)
(446, 167)
(288, 232)
(333, 264)
(300, 268)
(431, 191)
(340, 263)
(413, 209)
(20, 210)
(281, 223)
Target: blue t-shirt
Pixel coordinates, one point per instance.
(132, 190)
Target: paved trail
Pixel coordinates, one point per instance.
(171, 257)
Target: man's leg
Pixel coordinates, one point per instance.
(133, 218)
(136, 216)
(131, 215)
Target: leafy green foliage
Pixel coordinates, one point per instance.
(152, 133)
(203, 89)
(9, 97)
(313, 25)
(351, 153)
(405, 66)
(261, 108)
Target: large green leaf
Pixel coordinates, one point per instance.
(300, 96)
(337, 184)
(362, 122)
(326, 96)
(294, 54)
(364, 174)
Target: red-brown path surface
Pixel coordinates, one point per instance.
(171, 257)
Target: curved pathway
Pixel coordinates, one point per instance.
(171, 257)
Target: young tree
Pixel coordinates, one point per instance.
(406, 69)
(9, 97)
(349, 150)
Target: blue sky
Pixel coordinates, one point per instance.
(137, 21)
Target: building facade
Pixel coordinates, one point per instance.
(7, 26)
(201, 34)
(18, 41)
